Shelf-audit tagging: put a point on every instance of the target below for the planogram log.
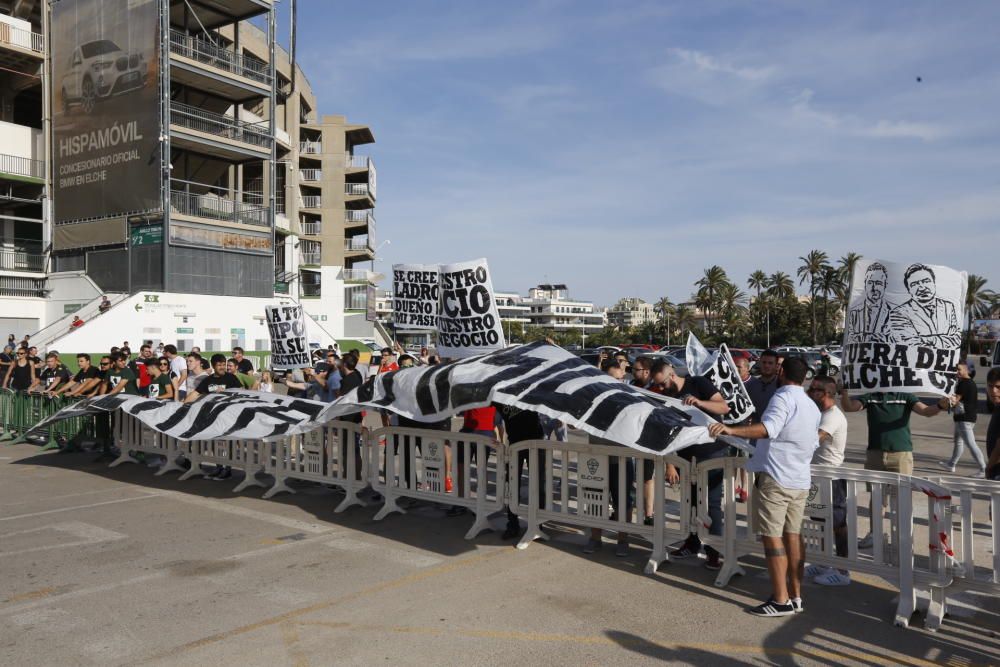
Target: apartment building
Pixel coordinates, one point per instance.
(226, 181)
(23, 191)
(550, 307)
(629, 312)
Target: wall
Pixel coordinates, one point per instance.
(67, 290)
(21, 141)
(170, 318)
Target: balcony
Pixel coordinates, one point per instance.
(21, 286)
(311, 257)
(214, 206)
(217, 135)
(359, 218)
(22, 259)
(201, 64)
(21, 38)
(359, 245)
(357, 275)
(356, 189)
(357, 162)
(312, 201)
(311, 175)
(309, 290)
(21, 168)
(312, 228)
(310, 147)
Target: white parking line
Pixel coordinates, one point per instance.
(86, 533)
(79, 507)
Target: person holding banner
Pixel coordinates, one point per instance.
(699, 392)
(787, 437)
(890, 445)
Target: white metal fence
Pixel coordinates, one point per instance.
(921, 538)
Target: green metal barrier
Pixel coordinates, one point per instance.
(19, 411)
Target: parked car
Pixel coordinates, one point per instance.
(100, 70)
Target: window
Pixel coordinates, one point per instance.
(356, 297)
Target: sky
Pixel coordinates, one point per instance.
(621, 148)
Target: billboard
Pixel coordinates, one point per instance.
(106, 119)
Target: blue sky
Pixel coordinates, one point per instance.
(621, 148)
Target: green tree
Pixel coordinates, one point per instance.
(829, 280)
(813, 265)
(757, 281)
(979, 302)
(708, 287)
(664, 309)
(684, 320)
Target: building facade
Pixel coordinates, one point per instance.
(248, 192)
(550, 307)
(630, 312)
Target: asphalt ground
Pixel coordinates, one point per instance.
(118, 567)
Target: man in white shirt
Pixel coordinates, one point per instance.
(786, 439)
(832, 444)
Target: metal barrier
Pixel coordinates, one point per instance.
(892, 526)
(21, 410)
(411, 463)
(334, 454)
(581, 481)
(959, 555)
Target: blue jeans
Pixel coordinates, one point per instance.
(965, 436)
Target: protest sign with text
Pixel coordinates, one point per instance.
(289, 343)
(468, 318)
(726, 378)
(904, 328)
(415, 297)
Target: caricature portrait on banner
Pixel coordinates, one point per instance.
(904, 327)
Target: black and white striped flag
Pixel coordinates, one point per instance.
(539, 377)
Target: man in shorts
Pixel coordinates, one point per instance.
(786, 439)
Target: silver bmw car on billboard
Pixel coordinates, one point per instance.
(100, 70)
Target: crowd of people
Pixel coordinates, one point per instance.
(796, 423)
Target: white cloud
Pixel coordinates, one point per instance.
(706, 63)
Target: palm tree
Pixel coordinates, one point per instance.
(757, 281)
(684, 318)
(979, 302)
(708, 286)
(780, 286)
(846, 265)
(828, 282)
(733, 308)
(664, 308)
(813, 265)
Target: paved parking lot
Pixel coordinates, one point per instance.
(118, 567)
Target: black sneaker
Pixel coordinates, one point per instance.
(648, 521)
(455, 511)
(713, 562)
(772, 608)
(224, 473)
(513, 530)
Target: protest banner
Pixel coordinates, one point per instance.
(538, 377)
(468, 318)
(415, 297)
(289, 342)
(726, 378)
(904, 328)
(721, 370)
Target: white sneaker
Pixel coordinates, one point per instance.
(833, 578)
(813, 571)
(979, 475)
(866, 542)
(947, 466)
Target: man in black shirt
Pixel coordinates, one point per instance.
(53, 375)
(964, 404)
(351, 379)
(85, 382)
(993, 431)
(699, 392)
(522, 425)
(218, 381)
(243, 365)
